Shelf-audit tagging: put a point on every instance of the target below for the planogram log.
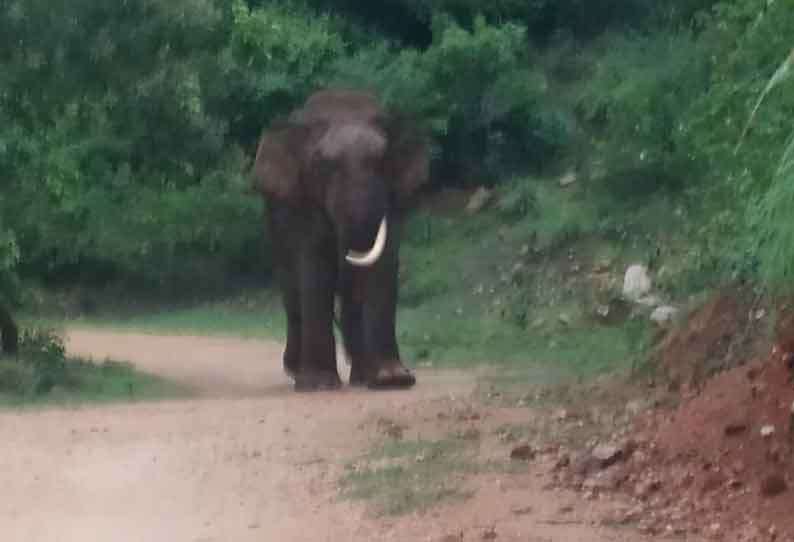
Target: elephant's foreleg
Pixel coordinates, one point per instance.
(287, 274)
(285, 237)
(318, 370)
(385, 368)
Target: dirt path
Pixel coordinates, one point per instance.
(247, 460)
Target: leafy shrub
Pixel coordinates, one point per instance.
(632, 101)
(43, 372)
(475, 92)
(770, 216)
(126, 129)
(744, 44)
(276, 56)
(411, 20)
(123, 135)
(553, 216)
(40, 366)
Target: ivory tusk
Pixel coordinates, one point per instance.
(366, 259)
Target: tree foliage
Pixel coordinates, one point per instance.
(127, 129)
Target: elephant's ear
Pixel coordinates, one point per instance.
(280, 159)
(407, 157)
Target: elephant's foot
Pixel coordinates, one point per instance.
(317, 381)
(391, 375)
(290, 371)
(290, 363)
(357, 376)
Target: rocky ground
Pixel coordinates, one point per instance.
(719, 462)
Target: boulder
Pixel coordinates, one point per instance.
(636, 282)
(479, 200)
(664, 315)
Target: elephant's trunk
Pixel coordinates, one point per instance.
(369, 258)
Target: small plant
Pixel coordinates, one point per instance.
(43, 373)
(45, 352)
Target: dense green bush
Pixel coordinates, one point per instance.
(666, 110)
(105, 106)
(476, 91)
(40, 366)
(126, 133)
(126, 129)
(632, 102)
(744, 43)
(411, 20)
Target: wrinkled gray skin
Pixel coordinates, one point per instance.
(337, 178)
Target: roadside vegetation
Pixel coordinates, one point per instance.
(41, 373)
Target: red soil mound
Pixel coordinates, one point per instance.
(727, 454)
(724, 459)
(721, 463)
(705, 343)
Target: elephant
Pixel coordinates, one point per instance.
(338, 177)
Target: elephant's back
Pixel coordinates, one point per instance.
(340, 105)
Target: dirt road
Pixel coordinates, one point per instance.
(247, 460)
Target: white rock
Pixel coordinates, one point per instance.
(568, 179)
(479, 200)
(649, 301)
(636, 282)
(767, 431)
(664, 314)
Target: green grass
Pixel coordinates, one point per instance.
(467, 342)
(399, 477)
(490, 290)
(21, 385)
(44, 374)
(257, 314)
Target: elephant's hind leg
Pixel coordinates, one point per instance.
(292, 351)
(290, 297)
(385, 370)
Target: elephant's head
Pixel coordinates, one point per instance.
(341, 153)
